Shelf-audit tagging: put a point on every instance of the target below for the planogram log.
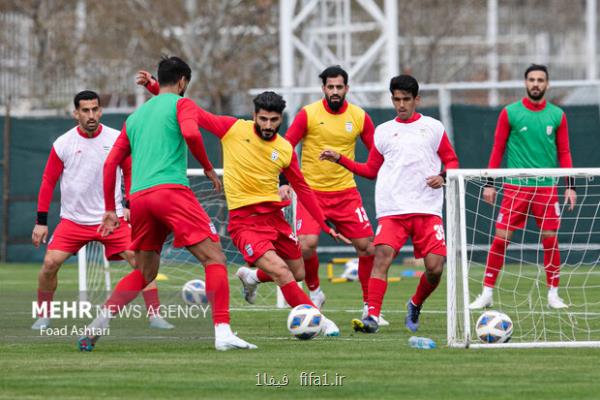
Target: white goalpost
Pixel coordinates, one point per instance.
(520, 290)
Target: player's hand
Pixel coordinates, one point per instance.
(214, 178)
(571, 198)
(329, 155)
(126, 214)
(143, 77)
(110, 222)
(39, 235)
(285, 192)
(435, 181)
(489, 195)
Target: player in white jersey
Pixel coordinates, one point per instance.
(77, 157)
(406, 159)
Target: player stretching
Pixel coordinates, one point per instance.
(535, 135)
(254, 155)
(336, 124)
(161, 200)
(77, 157)
(406, 159)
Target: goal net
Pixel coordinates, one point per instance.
(521, 289)
(177, 264)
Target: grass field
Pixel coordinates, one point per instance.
(136, 362)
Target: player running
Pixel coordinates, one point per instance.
(162, 202)
(77, 158)
(406, 159)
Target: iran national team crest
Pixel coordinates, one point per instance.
(249, 250)
(549, 130)
(274, 155)
(349, 126)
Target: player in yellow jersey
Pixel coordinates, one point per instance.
(333, 123)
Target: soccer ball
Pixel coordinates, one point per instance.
(194, 292)
(351, 271)
(494, 327)
(304, 322)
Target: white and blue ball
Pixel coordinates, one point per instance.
(304, 322)
(194, 292)
(494, 327)
(351, 270)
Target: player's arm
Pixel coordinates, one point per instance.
(308, 199)
(126, 168)
(120, 151)
(449, 160)
(52, 172)
(297, 128)
(565, 160)
(368, 132)
(367, 170)
(498, 149)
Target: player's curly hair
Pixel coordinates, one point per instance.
(405, 83)
(269, 101)
(172, 69)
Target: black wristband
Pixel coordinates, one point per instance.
(126, 204)
(42, 218)
(571, 183)
(443, 175)
(489, 182)
(283, 180)
(329, 224)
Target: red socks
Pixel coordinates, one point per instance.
(294, 295)
(551, 261)
(424, 289)
(217, 291)
(262, 276)
(377, 288)
(495, 261)
(311, 267)
(126, 290)
(365, 266)
(151, 300)
(44, 297)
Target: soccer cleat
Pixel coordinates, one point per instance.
(482, 301)
(382, 321)
(318, 299)
(232, 342)
(87, 343)
(249, 286)
(41, 323)
(556, 302)
(366, 325)
(412, 316)
(329, 328)
(158, 322)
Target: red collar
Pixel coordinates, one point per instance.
(340, 111)
(260, 137)
(416, 116)
(85, 135)
(530, 105)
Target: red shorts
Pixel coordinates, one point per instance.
(256, 234)
(70, 237)
(519, 201)
(425, 230)
(159, 212)
(344, 208)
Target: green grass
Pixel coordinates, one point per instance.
(184, 364)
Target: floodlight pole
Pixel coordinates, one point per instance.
(590, 31)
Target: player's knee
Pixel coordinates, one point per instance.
(299, 275)
(436, 269)
(50, 266)
(548, 234)
(280, 272)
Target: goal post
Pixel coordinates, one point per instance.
(520, 290)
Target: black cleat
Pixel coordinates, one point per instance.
(366, 325)
(412, 316)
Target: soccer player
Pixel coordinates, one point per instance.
(406, 159)
(162, 202)
(77, 157)
(534, 134)
(254, 156)
(333, 123)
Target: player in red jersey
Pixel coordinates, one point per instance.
(77, 158)
(406, 159)
(162, 202)
(333, 123)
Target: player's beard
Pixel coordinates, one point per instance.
(337, 104)
(266, 134)
(536, 97)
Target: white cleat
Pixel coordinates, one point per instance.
(556, 302)
(482, 301)
(232, 342)
(158, 322)
(41, 323)
(329, 328)
(249, 284)
(382, 321)
(318, 299)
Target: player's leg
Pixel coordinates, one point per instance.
(47, 283)
(429, 281)
(308, 231)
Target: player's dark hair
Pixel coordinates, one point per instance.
(332, 72)
(405, 83)
(85, 95)
(537, 67)
(171, 70)
(269, 101)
